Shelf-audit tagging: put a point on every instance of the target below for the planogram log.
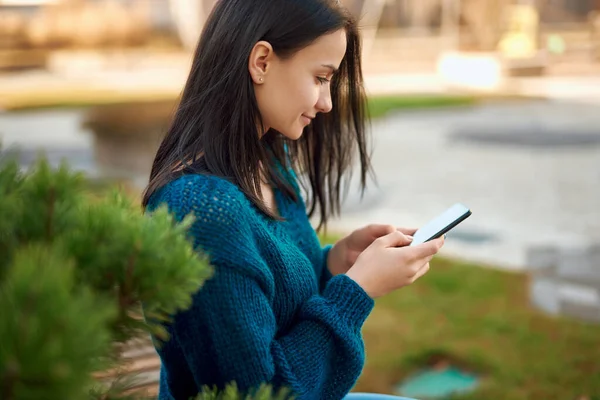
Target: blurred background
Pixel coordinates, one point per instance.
(492, 103)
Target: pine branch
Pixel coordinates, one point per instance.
(73, 275)
(53, 332)
(143, 252)
(50, 212)
(11, 182)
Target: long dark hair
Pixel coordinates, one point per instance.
(214, 129)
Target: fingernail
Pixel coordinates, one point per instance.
(409, 237)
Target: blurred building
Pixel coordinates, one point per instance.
(429, 13)
(29, 29)
(78, 23)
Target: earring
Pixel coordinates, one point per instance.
(260, 79)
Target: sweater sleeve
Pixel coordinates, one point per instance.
(319, 357)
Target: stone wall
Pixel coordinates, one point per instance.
(127, 136)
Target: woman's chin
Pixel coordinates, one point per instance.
(294, 134)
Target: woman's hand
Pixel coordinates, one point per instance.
(345, 252)
(389, 264)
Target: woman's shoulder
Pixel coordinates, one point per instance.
(209, 195)
(221, 224)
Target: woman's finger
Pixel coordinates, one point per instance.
(378, 230)
(407, 231)
(422, 271)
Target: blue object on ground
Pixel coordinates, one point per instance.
(432, 384)
(373, 396)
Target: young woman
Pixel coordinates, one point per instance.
(274, 92)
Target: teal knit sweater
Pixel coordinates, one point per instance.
(272, 312)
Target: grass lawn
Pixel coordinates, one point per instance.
(380, 105)
(480, 319)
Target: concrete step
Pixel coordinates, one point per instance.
(566, 281)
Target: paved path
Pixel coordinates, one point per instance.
(537, 182)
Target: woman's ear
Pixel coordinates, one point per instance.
(260, 60)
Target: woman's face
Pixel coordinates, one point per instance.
(291, 92)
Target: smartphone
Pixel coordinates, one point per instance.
(441, 224)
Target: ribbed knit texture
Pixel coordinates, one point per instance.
(272, 312)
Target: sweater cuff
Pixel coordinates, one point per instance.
(352, 303)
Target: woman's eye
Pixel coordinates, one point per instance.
(322, 80)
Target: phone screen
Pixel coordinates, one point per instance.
(442, 224)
